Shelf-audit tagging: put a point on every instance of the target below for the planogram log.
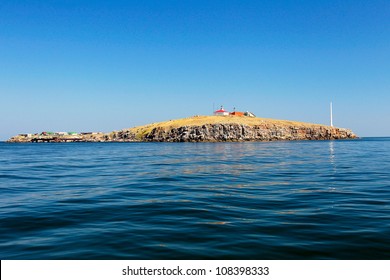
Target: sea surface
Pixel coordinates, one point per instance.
(255, 200)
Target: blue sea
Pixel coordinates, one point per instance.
(255, 200)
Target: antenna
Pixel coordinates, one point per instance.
(331, 114)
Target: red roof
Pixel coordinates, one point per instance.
(237, 113)
(220, 111)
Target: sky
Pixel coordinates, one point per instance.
(108, 65)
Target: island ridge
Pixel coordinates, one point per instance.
(203, 129)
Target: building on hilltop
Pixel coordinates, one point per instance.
(240, 114)
(235, 113)
(249, 114)
(221, 112)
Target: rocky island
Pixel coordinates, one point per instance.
(202, 129)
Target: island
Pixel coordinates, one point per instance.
(217, 128)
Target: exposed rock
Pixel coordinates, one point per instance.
(239, 132)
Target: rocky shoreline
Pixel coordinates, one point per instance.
(203, 129)
(239, 132)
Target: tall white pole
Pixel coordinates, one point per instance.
(331, 114)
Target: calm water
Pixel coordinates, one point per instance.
(276, 200)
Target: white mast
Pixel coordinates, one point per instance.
(331, 114)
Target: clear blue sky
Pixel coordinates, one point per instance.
(108, 65)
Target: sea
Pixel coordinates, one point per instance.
(305, 200)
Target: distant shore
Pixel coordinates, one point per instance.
(201, 129)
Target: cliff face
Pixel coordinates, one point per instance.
(240, 132)
(206, 129)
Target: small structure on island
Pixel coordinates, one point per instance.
(47, 133)
(62, 133)
(221, 112)
(249, 114)
(235, 113)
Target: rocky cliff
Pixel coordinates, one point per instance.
(210, 129)
(240, 132)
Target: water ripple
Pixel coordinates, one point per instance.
(277, 200)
